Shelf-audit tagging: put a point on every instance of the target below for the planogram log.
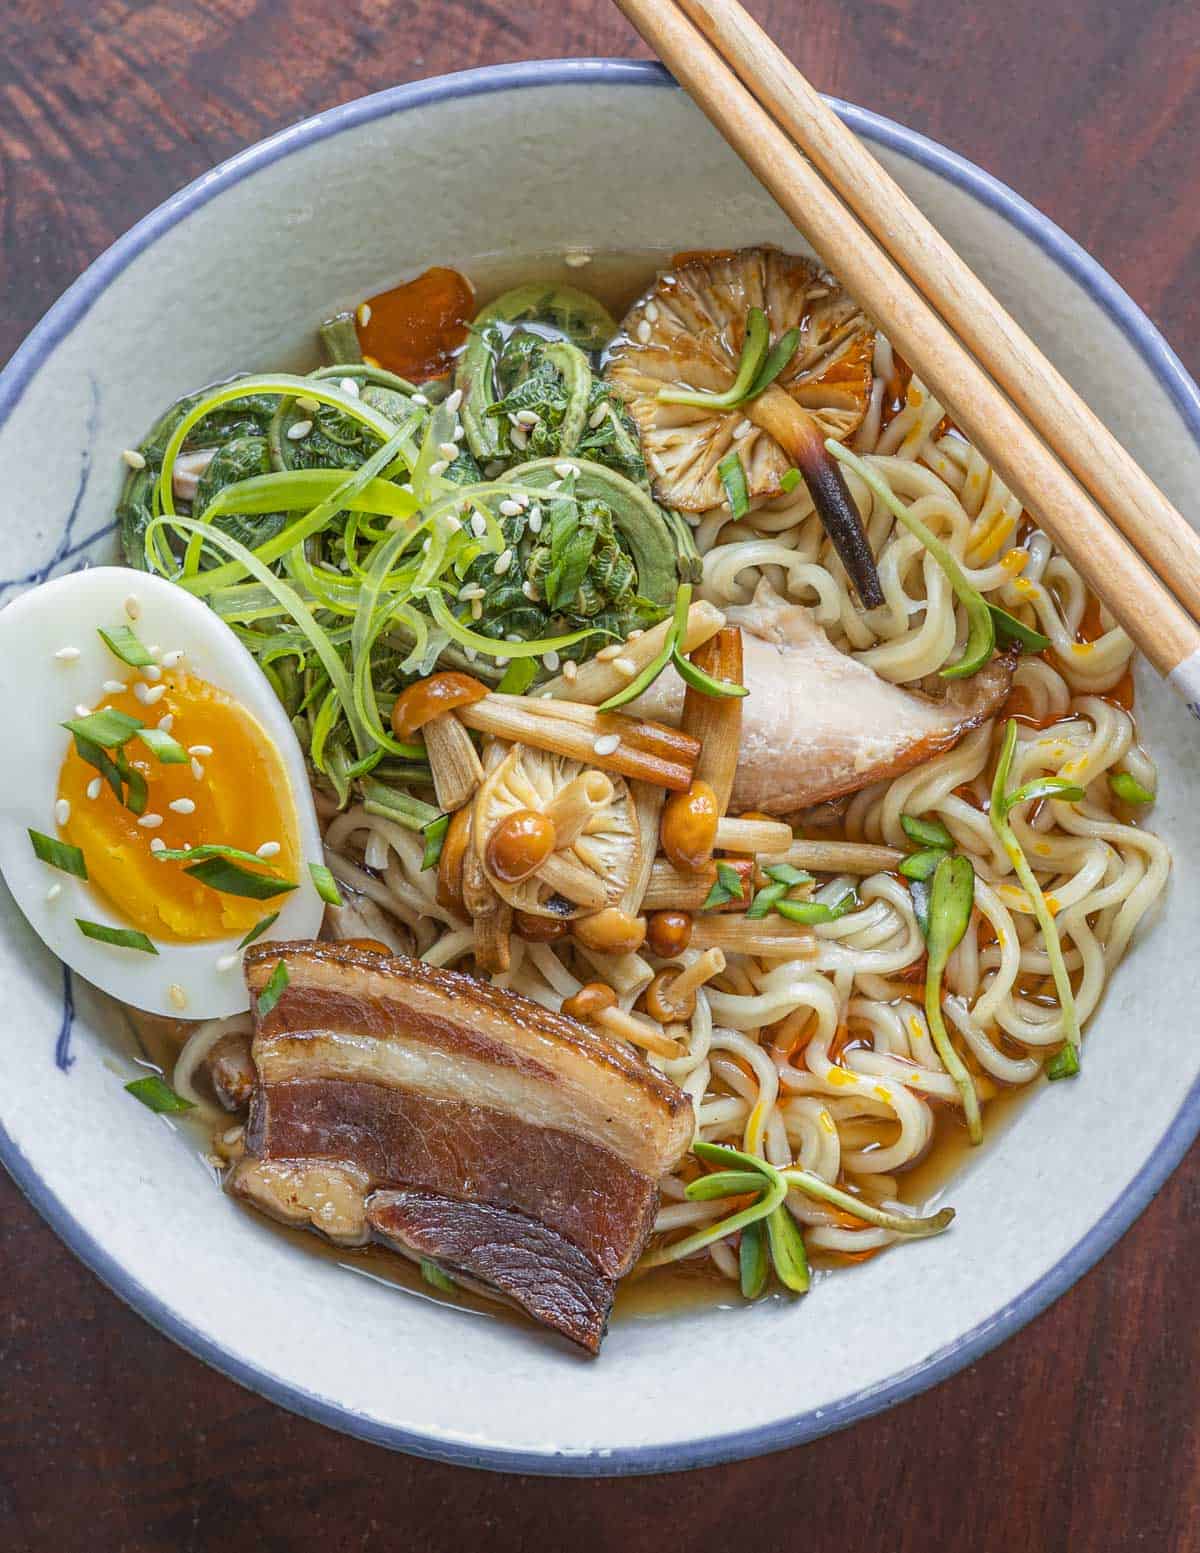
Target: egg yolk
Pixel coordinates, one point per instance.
(233, 791)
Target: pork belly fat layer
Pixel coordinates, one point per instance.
(403, 1023)
(521, 1260)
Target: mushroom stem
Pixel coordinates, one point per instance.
(802, 439)
(703, 968)
(452, 760)
(572, 882)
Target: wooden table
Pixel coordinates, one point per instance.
(1081, 1433)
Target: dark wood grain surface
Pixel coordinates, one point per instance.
(1081, 1433)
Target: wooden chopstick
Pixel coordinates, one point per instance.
(1068, 426)
(1135, 596)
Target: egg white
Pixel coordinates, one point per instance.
(39, 691)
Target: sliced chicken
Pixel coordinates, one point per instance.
(817, 723)
(386, 1073)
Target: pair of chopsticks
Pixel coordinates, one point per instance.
(1130, 545)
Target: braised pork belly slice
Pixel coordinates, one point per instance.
(500, 1254)
(406, 1076)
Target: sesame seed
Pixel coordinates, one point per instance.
(171, 659)
(502, 663)
(152, 671)
(54, 892)
(510, 508)
(606, 744)
(535, 520)
(197, 769)
(134, 459)
(364, 314)
(504, 561)
(528, 417)
(479, 525)
(439, 466)
(449, 451)
(459, 433)
(199, 749)
(93, 788)
(575, 258)
(177, 995)
(570, 670)
(132, 608)
(67, 654)
(470, 652)
(651, 311)
(309, 405)
(268, 849)
(298, 430)
(598, 416)
(514, 636)
(157, 844)
(182, 805)
(658, 466)
(420, 399)
(452, 523)
(633, 635)
(530, 592)
(550, 661)
(625, 666)
(554, 485)
(493, 468)
(150, 821)
(454, 400)
(607, 654)
(644, 332)
(165, 724)
(476, 614)
(564, 470)
(232, 1135)
(62, 811)
(149, 694)
(349, 387)
(519, 437)
(471, 590)
(83, 711)
(743, 428)
(227, 962)
(114, 686)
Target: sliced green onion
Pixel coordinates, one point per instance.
(1128, 789)
(926, 833)
(951, 897)
(778, 358)
(93, 755)
(733, 478)
(273, 991)
(1010, 629)
(789, 480)
(59, 854)
(389, 804)
(109, 729)
(998, 814)
(753, 1263)
(981, 630)
(164, 747)
(1064, 1063)
(921, 865)
(135, 784)
(125, 644)
(787, 1250)
(258, 930)
(694, 676)
(754, 351)
(435, 836)
(119, 937)
(787, 873)
(765, 900)
(209, 849)
(230, 878)
(436, 1276)
(813, 913)
(155, 1093)
(642, 681)
(325, 884)
(727, 886)
(518, 677)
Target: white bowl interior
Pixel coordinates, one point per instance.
(239, 282)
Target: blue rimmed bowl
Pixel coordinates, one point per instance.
(482, 169)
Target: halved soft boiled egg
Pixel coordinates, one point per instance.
(187, 750)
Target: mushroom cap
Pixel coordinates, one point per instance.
(688, 331)
(609, 846)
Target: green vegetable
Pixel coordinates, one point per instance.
(726, 887)
(733, 479)
(642, 681)
(59, 854)
(786, 873)
(108, 729)
(1010, 629)
(123, 642)
(1003, 802)
(774, 1190)
(339, 339)
(207, 850)
(789, 480)
(951, 897)
(518, 677)
(697, 679)
(765, 901)
(258, 930)
(274, 989)
(926, 833)
(778, 359)
(981, 630)
(230, 878)
(921, 865)
(435, 836)
(436, 1276)
(1064, 1063)
(753, 1261)
(156, 1094)
(134, 784)
(754, 354)
(813, 913)
(119, 937)
(1128, 789)
(108, 768)
(325, 884)
(787, 1250)
(163, 747)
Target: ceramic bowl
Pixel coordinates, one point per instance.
(233, 273)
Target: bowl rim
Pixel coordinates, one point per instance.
(798, 1428)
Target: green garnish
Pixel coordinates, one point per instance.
(772, 1187)
(1128, 789)
(436, 1276)
(325, 884)
(273, 991)
(1010, 629)
(119, 937)
(518, 677)
(951, 897)
(813, 913)
(155, 1093)
(161, 745)
(727, 886)
(778, 358)
(1003, 802)
(230, 878)
(926, 833)
(642, 681)
(93, 755)
(59, 854)
(754, 356)
(207, 850)
(108, 729)
(921, 865)
(258, 930)
(787, 1250)
(389, 804)
(1064, 1063)
(787, 873)
(124, 643)
(754, 1264)
(765, 900)
(789, 480)
(135, 784)
(691, 675)
(733, 478)
(435, 836)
